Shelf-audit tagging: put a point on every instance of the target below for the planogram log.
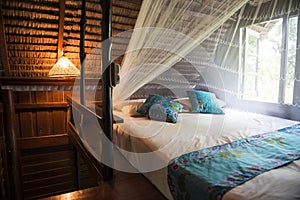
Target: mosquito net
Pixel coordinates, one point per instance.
(236, 46)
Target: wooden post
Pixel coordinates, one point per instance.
(106, 86)
(82, 51)
(3, 46)
(60, 43)
(11, 142)
(6, 193)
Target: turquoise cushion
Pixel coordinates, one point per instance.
(160, 108)
(204, 102)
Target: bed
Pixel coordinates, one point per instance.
(194, 131)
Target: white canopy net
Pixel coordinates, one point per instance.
(176, 28)
(209, 35)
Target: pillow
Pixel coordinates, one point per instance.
(185, 102)
(160, 108)
(187, 106)
(130, 107)
(204, 102)
(221, 103)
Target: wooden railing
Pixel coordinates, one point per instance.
(82, 113)
(80, 119)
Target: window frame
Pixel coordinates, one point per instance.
(283, 62)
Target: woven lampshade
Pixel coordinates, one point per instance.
(64, 67)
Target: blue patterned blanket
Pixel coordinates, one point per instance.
(209, 173)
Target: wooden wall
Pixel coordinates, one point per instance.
(40, 113)
(46, 168)
(45, 156)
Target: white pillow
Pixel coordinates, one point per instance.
(187, 106)
(130, 107)
(221, 103)
(185, 102)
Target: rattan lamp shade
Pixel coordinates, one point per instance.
(64, 67)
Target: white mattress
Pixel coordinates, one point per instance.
(195, 131)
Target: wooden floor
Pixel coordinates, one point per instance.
(124, 186)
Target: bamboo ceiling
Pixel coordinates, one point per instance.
(31, 29)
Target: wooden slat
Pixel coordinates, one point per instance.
(27, 124)
(43, 141)
(17, 81)
(45, 157)
(50, 181)
(44, 117)
(51, 164)
(46, 174)
(22, 106)
(20, 81)
(59, 121)
(58, 188)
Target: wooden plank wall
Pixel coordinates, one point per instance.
(48, 170)
(40, 113)
(4, 182)
(48, 160)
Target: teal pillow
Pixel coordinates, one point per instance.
(160, 108)
(204, 102)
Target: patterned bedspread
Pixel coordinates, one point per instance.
(209, 173)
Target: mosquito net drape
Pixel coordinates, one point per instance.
(207, 35)
(165, 32)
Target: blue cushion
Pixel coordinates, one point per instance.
(204, 102)
(160, 108)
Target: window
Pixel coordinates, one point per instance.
(269, 60)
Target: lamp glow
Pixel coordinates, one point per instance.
(64, 67)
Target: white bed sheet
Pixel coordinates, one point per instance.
(197, 131)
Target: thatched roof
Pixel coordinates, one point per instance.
(31, 29)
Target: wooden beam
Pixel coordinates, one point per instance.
(56, 105)
(82, 51)
(3, 150)
(11, 142)
(18, 81)
(43, 141)
(60, 44)
(106, 27)
(3, 46)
